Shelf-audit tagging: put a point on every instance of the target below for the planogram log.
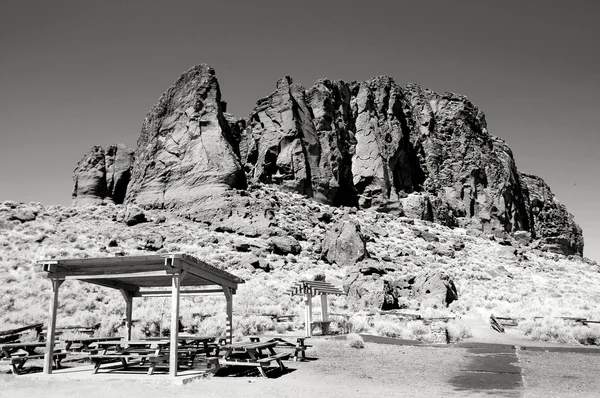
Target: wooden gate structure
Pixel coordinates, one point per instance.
(309, 289)
(142, 276)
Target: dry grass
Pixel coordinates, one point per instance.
(488, 276)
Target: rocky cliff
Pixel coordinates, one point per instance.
(102, 176)
(401, 150)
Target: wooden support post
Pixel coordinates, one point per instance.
(324, 312)
(173, 358)
(128, 312)
(229, 326)
(50, 335)
(308, 312)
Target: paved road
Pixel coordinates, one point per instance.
(491, 368)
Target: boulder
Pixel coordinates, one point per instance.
(344, 244)
(134, 215)
(154, 242)
(285, 245)
(250, 262)
(434, 290)
(375, 287)
(23, 215)
(523, 237)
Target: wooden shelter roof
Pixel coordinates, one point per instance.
(131, 273)
(315, 287)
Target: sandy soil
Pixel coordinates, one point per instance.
(378, 370)
(339, 371)
(560, 374)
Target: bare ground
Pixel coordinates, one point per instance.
(339, 371)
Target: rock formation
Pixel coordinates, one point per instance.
(403, 150)
(406, 150)
(186, 150)
(344, 244)
(549, 219)
(371, 286)
(102, 176)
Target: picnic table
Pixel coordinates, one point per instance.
(16, 354)
(12, 335)
(299, 348)
(257, 354)
(84, 344)
(151, 351)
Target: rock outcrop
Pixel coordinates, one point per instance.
(344, 244)
(550, 221)
(102, 176)
(406, 151)
(186, 153)
(375, 287)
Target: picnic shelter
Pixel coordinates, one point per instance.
(309, 289)
(159, 275)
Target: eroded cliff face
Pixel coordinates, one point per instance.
(403, 150)
(377, 144)
(102, 176)
(550, 220)
(186, 149)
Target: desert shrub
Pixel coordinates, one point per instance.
(213, 326)
(417, 330)
(457, 331)
(389, 328)
(253, 324)
(110, 326)
(358, 324)
(355, 341)
(342, 324)
(547, 329)
(586, 335)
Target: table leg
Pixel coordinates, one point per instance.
(261, 369)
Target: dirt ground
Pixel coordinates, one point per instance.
(339, 371)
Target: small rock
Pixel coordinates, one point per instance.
(324, 217)
(160, 219)
(458, 245)
(154, 242)
(250, 261)
(523, 237)
(112, 243)
(241, 246)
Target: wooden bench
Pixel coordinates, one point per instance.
(16, 361)
(150, 357)
(323, 325)
(299, 348)
(251, 354)
(13, 335)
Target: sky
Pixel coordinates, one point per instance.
(74, 74)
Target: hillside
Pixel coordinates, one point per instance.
(492, 273)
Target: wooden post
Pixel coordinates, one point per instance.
(173, 359)
(308, 312)
(229, 326)
(50, 335)
(128, 312)
(324, 313)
